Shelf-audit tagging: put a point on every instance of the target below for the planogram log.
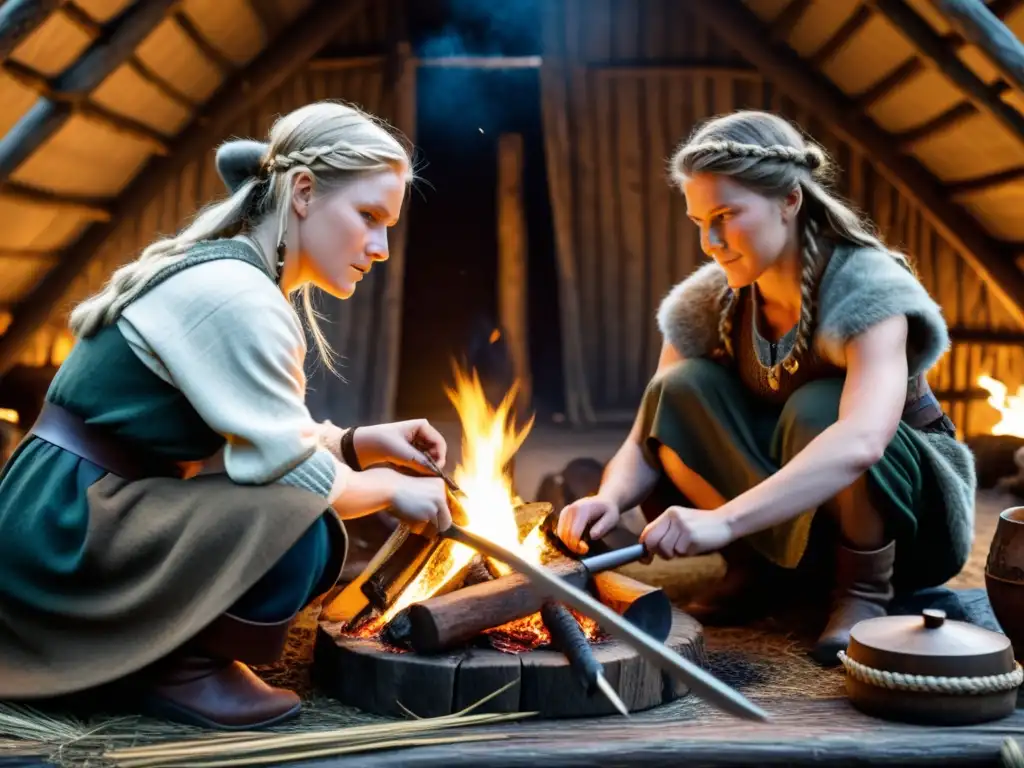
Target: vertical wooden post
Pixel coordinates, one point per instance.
(404, 119)
(512, 264)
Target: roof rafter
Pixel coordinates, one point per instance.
(743, 30)
(19, 19)
(105, 55)
(975, 22)
(296, 45)
(931, 44)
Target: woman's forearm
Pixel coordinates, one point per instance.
(830, 463)
(361, 493)
(628, 478)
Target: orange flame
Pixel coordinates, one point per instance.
(1010, 407)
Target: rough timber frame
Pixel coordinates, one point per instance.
(743, 30)
(291, 49)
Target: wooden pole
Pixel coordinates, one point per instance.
(106, 54)
(292, 49)
(975, 22)
(741, 29)
(19, 19)
(512, 263)
(924, 37)
(390, 351)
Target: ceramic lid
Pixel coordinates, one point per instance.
(930, 644)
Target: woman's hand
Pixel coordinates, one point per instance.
(418, 500)
(401, 443)
(599, 513)
(683, 531)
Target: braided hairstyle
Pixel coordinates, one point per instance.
(768, 155)
(332, 141)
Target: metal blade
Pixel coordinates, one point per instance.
(699, 681)
(606, 688)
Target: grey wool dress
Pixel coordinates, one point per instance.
(729, 422)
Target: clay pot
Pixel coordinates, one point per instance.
(1004, 576)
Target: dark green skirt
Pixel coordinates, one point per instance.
(701, 411)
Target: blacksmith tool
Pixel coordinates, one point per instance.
(700, 682)
(568, 637)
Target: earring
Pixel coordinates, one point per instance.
(280, 258)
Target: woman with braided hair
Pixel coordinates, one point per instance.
(175, 505)
(791, 388)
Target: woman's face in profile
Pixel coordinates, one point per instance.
(345, 231)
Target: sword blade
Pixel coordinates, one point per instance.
(696, 679)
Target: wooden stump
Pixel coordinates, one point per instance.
(368, 675)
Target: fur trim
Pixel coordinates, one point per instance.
(953, 467)
(862, 287)
(688, 317)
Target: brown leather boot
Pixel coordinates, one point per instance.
(215, 693)
(863, 591)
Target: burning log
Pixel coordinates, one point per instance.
(444, 622)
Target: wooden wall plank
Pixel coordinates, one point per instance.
(625, 128)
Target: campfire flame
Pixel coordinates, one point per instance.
(489, 441)
(1010, 407)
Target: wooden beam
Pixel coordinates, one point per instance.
(976, 23)
(19, 19)
(741, 29)
(80, 104)
(270, 16)
(846, 32)
(696, 67)
(1002, 9)
(873, 94)
(87, 207)
(944, 121)
(105, 55)
(211, 52)
(979, 184)
(74, 13)
(919, 32)
(782, 26)
(295, 46)
(18, 254)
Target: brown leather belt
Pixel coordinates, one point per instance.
(64, 429)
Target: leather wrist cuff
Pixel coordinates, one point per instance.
(348, 449)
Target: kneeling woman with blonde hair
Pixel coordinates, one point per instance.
(175, 505)
(791, 388)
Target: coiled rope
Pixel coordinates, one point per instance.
(898, 681)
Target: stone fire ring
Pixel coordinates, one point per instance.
(365, 674)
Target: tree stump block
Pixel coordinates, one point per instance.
(371, 676)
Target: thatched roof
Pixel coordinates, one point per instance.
(96, 94)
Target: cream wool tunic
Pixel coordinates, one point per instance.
(101, 576)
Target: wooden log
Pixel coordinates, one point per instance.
(444, 622)
(512, 264)
(646, 607)
(352, 601)
(387, 581)
(975, 22)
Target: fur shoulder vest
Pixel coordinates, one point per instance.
(860, 288)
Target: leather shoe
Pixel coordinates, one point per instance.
(219, 694)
